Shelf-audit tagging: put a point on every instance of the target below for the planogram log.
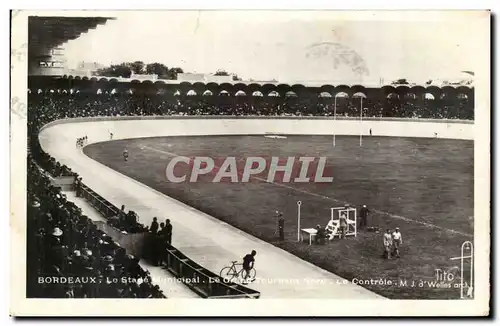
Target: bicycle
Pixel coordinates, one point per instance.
(228, 273)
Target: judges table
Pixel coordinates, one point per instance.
(308, 232)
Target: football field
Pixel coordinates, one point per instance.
(423, 186)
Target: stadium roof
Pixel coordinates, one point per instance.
(51, 32)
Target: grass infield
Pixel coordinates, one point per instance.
(423, 186)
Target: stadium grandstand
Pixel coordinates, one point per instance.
(64, 242)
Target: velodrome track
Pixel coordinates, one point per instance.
(206, 240)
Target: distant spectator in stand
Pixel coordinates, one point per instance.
(363, 217)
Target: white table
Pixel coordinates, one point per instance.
(311, 232)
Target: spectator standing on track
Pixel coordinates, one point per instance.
(159, 244)
(397, 239)
(154, 226)
(363, 214)
(168, 232)
(387, 244)
(125, 154)
(78, 187)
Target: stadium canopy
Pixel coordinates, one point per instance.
(191, 93)
(325, 94)
(224, 92)
(207, 93)
(257, 93)
(342, 94)
(53, 31)
(47, 36)
(290, 94)
(274, 94)
(359, 95)
(240, 93)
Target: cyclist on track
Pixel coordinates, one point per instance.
(248, 263)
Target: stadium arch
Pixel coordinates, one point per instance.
(299, 89)
(241, 87)
(267, 88)
(212, 87)
(388, 90)
(251, 88)
(342, 89)
(282, 89)
(358, 89)
(435, 91)
(227, 87)
(199, 87)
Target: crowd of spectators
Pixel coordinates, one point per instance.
(68, 257)
(50, 106)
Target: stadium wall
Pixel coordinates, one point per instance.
(140, 127)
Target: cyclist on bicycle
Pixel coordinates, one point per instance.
(248, 262)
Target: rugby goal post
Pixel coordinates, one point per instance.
(333, 226)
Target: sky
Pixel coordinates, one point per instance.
(290, 46)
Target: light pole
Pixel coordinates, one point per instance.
(298, 220)
(361, 124)
(334, 117)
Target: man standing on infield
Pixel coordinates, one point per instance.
(281, 226)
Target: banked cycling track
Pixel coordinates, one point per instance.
(206, 240)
